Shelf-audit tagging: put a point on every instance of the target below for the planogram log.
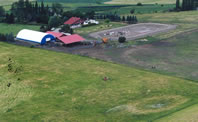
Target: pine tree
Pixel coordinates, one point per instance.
(123, 18)
(135, 20)
(42, 8)
(177, 4)
(184, 5)
(128, 19)
(36, 7)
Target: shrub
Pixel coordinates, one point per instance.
(54, 21)
(139, 4)
(132, 11)
(122, 39)
(44, 28)
(107, 21)
(66, 29)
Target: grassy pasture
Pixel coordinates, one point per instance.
(187, 115)
(185, 21)
(74, 1)
(141, 1)
(15, 28)
(102, 26)
(61, 87)
(8, 2)
(127, 8)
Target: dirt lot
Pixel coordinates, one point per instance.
(132, 32)
(176, 56)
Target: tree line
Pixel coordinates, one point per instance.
(25, 11)
(117, 18)
(186, 5)
(7, 37)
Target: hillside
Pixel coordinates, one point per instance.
(51, 86)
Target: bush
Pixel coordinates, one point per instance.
(66, 29)
(139, 4)
(107, 21)
(122, 39)
(7, 37)
(132, 11)
(44, 28)
(54, 21)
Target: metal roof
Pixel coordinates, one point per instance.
(71, 39)
(34, 36)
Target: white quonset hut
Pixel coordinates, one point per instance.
(34, 36)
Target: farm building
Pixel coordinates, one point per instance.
(67, 39)
(55, 34)
(75, 38)
(74, 22)
(34, 36)
(91, 21)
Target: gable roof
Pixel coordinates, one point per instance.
(71, 39)
(73, 20)
(55, 34)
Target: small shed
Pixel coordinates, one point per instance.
(34, 36)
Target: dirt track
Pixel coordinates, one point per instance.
(132, 32)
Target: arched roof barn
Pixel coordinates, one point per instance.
(34, 36)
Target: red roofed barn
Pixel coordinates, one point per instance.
(71, 39)
(67, 39)
(55, 34)
(74, 22)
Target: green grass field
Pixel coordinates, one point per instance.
(186, 115)
(185, 20)
(102, 26)
(8, 2)
(120, 10)
(55, 86)
(15, 28)
(141, 1)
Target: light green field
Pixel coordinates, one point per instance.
(61, 87)
(15, 28)
(186, 115)
(8, 2)
(185, 21)
(102, 26)
(141, 1)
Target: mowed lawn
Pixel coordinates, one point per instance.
(140, 1)
(51, 86)
(15, 28)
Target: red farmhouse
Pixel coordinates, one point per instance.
(74, 21)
